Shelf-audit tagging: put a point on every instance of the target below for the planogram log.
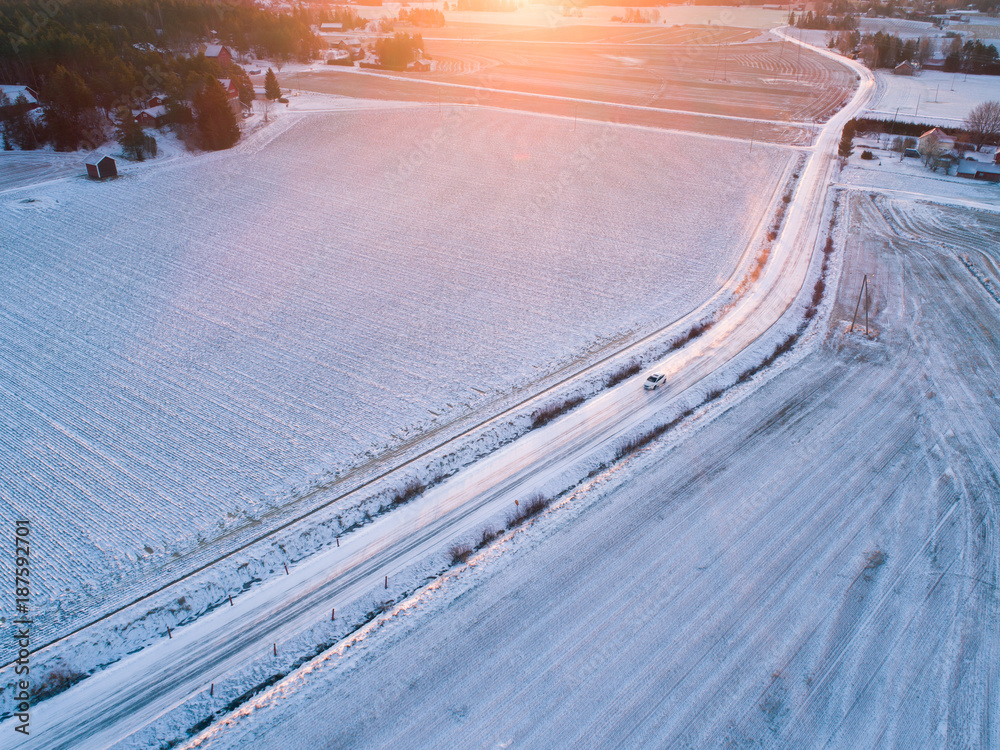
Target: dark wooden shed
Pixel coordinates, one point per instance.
(100, 166)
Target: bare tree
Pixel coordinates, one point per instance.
(983, 123)
(931, 149)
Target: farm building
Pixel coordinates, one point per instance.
(978, 170)
(331, 28)
(100, 166)
(153, 116)
(419, 66)
(12, 92)
(231, 88)
(353, 46)
(943, 138)
(219, 53)
(905, 68)
(154, 101)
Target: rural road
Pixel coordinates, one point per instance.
(115, 703)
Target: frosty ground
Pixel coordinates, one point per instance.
(812, 563)
(195, 345)
(933, 97)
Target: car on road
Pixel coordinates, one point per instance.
(654, 381)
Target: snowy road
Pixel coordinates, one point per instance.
(111, 705)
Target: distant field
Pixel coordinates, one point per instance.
(765, 91)
(695, 70)
(934, 96)
(186, 348)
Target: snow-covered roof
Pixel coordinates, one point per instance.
(158, 111)
(968, 166)
(942, 136)
(13, 92)
(96, 159)
(225, 82)
(331, 27)
(214, 50)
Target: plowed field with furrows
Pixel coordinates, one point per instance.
(767, 80)
(361, 280)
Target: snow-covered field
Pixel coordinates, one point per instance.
(933, 97)
(191, 346)
(811, 564)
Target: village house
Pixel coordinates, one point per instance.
(152, 116)
(13, 92)
(978, 170)
(220, 53)
(232, 90)
(905, 68)
(944, 140)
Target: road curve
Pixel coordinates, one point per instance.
(113, 704)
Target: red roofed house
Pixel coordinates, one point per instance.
(231, 88)
(219, 53)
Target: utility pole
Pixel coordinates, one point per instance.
(864, 291)
(752, 134)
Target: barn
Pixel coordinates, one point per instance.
(978, 170)
(219, 53)
(100, 166)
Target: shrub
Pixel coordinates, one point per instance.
(526, 509)
(488, 535)
(459, 552)
(56, 681)
(623, 372)
(409, 491)
(818, 292)
(875, 560)
(282, 100)
(867, 155)
(691, 335)
(547, 413)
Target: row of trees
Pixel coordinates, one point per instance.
(972, 57)
(422, 17)
(809, 20)
(112, 43)
(634, 15)
(89, 59)
(399, 50)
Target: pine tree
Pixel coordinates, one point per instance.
(847, 140)
(271, 88)
(214, 118)
(69, 106)
(130, 136)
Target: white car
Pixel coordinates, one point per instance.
(654, 381)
